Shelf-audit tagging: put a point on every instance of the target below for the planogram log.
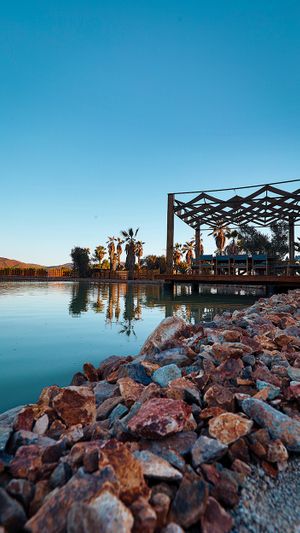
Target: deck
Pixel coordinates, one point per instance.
(229, 279)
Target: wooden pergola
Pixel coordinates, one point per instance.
(265, 205)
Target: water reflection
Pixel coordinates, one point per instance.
(123, 304)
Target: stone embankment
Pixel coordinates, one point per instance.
(164, 441)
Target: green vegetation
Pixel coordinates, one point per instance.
(81, 261)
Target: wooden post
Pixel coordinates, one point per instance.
(197, 245)
(291, 240)
(170, 233)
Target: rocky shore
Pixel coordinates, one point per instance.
(167, 441)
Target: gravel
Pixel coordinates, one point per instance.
(270, 505)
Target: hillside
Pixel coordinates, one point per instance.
(14, 263)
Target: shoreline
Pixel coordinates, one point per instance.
(165, 439)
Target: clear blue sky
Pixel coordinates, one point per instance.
(106, 106)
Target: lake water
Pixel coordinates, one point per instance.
(48, 330)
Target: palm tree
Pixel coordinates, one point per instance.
(139, 252)
(177, 255)
(188, 248)
(220, 234)
(111, 250)
(119, 251)
(130, 239)
(99, 254)
(232, 247)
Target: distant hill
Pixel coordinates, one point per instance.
(14, 263)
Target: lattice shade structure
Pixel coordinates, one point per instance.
(266, 205)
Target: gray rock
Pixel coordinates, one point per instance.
(279, 425)
(206, 450)
(104, 390)
(60, 475)
(12, 514)
(273, 392)
(294, 373)
(162, 376)
(167, 357)
(118, 412)
(157, 468)
(22, 490)
(137, 372)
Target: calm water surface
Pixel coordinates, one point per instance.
(48, 330)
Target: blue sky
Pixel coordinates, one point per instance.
(106, 106)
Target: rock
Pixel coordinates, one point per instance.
(106, 407)
(162, 376)
(41, 425)
(206, 450)
(26, 438)
(130, 390)
(22, 490)
(75, 405)
(279, 425)
(25, 418)
(187, 388)
(90, 372)
(118, 412)
(47, 396)
(52, 515)
(211, 412)
(27, 463)
(228, 427)
(294, 373)
(112, 364)
(219, 396)
(172, 528)
(215, 519)
(60, 475)
(12, 515)
(41, 490)
(155, 467)
(273, 391)
(5, 433)
(177, 356)
(160, 417)
(106, 513)
(180, 443)
(241, 467)
(145, 518)
(230, 349)
(137, 372)
(277, 452)
(104, 390)
(168, 330)
(226, 486)
(190, 501)
(78, 379)
(161, 504)
(127, 469)
(294, 389)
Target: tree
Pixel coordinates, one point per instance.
(111, 250)
(220, 234)
(81, 261)
(154, 262)
(119, 251)
(139, 252)
(252, 241)
(130, 239)
(99, 254)
(188, 248)
(177, 255)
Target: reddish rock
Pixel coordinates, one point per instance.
(277, 452)
(190, 501)
(241, 467)
(111, 364)
(215, 519)
(27, 463)
(154, 467)
(52, 515)
(41, 489)
(231, 335)
(168, 330)
(160, 417)
(75, 405)
(25, 418)
(264, 374)
(183, 389)
(90, 372)
(22, 490)
(128, 470)
(259, 442)
(130, 390)
(149, 367)
(226, 490)
(229, 369)
(145, 519)
(239, 450)
(161, 505)
(229, 427)
(211, 412)
(219, 396)
(47, 395)
(230, 349)
(151, 391)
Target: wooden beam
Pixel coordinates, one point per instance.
(170, 233)
(291, 239)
